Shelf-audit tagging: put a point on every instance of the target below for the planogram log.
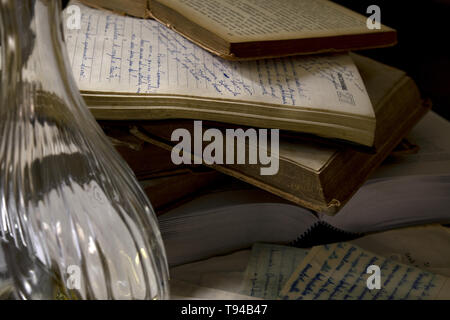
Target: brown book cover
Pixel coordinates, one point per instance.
(165, 183)
(173, 190)
(135, 8)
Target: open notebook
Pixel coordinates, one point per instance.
(129, 68)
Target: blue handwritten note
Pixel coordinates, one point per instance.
(269, 267)
(339, 272)
(119, 54)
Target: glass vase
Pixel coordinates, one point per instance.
(74, 222)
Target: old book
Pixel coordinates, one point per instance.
(321, 177)
(260, 29)
(146, 160)
(134, 69)
(173, 190)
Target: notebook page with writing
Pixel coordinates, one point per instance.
(269, 267)
(339, 272)
(118, 54)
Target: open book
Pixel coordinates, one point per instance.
(129, 68)
(222, 222)
(256, 29)
(319, 176)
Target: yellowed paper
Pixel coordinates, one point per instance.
(412, 246)
(256, 20)
(340, 272)
(118, 54)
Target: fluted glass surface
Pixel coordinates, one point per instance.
(74, 222)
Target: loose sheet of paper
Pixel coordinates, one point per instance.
(339, 272)
(119, 54)
(269, 267)
(412, 246)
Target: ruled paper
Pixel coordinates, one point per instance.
(338, 272)
(269, 267)
(113, 53)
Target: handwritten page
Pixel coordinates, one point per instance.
(118, 54)
(269, 267)
(256, 20)
(338, 272)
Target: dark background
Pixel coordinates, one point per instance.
(423, 43)
(423, 48)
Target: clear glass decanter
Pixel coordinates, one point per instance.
(74, 222)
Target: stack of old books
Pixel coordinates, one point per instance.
(239, 116)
